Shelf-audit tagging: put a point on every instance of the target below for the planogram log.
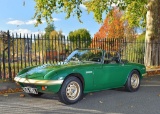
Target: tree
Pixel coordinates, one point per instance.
(48, 30)
(82, 35)
(113, 26)
(112, 30)
(56, 40)
(152, 33)
(55, 45)
(135, 51)
(138, 13)
(4, 37)
(55, 34)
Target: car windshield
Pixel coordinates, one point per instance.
(85, 55)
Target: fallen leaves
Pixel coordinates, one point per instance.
(22, 95)
(10, 90)
(153, 70)
(153, 73)
(153, 67)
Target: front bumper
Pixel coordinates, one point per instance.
(38, 82)
(51, 86)
(145, 74)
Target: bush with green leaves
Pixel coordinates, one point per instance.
(80, 38)
(134, 51)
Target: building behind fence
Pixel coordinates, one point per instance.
(18, 52)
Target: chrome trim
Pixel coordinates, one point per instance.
(38, 82)
(145, 74)
(89, 72)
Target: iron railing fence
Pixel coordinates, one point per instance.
(18, 52)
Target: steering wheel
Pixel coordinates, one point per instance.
(96, 59)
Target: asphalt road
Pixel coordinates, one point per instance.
(118, 101)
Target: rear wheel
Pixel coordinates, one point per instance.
(133, 81)
(71, 90)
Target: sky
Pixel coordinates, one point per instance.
(17, 18)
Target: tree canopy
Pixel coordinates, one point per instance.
(135, 10)
(83, 34)
(113, 26)
(139, 13)
(80, 34)
(48, 30)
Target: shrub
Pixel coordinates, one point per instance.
(134, 51)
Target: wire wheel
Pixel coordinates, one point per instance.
(73, 90)
(135, 81)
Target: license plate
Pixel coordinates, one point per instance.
(30, 90)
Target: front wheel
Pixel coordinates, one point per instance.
(71, 90)
(133, 81)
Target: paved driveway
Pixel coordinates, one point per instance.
(118, 101)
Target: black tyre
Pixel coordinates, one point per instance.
(133, 81)
(36, 95)
(71, 91)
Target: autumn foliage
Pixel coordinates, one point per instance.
(111, 31)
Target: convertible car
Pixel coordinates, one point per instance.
(83, 71)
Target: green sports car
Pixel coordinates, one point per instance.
(83, 71)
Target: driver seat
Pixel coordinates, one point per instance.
(116, 59)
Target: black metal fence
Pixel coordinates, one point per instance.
(18, 52)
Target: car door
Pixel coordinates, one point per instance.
(109, 75)
(99, 76)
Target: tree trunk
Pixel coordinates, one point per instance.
(152, 38)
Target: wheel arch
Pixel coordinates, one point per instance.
(140, 74)
(130, 73)
(134, 85)
(79, 76)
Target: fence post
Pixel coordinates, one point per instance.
(9, 55)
